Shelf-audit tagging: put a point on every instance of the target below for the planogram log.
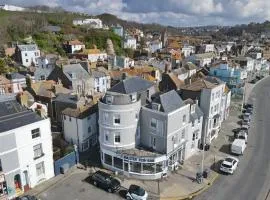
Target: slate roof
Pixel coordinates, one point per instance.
(13, 115)
(67, 98)
(15, 75)
(132, 85)
(197, 114)
(98, 74)
(28, 47)
(75, 71)
(171, 101)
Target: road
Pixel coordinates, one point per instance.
(251, 181)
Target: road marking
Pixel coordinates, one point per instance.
(268, 193)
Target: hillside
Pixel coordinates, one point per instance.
(15, 26)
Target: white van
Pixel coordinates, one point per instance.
(238, 146)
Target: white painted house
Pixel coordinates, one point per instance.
(17, 82)
(80, 126)
(102, 81)
(210, 92)
(27, 54)
(73, 46)
(188, 50)
(209, 48)
(155, 45)
(92, 22)
(26, 152)
(130, 43)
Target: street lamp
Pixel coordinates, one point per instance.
(243, 99)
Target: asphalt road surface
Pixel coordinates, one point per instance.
(251, 180)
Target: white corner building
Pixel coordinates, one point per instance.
(26, 153)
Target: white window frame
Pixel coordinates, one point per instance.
(116, 117)
(36, 133)
(40, 169)
(116, 136)
(109, 99)
(38, 151)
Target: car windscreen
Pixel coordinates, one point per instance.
(140, 191)
(226, 166)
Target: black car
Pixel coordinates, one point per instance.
(248, 105)
(26, 197)
(106, 181)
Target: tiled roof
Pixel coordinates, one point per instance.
(81, 112)
(48, 89)
(3, 80)
(198, 85)
(75, 42)
(176, 80)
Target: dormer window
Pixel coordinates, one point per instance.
(109, 99)
(133, 97)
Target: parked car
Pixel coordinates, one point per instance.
(106, 181)
(137, 193)
(26, 197)
(238, 146)
(245, 123)
(229, 165)
(242, 135)
(248, 105)
(253, 81)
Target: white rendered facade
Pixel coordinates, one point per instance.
(20, 159)
(82, 132)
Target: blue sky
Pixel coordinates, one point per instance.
(168, 12)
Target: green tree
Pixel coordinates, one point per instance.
(3, 67)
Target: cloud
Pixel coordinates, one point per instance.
(169, 12)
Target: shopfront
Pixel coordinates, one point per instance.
(136, 163)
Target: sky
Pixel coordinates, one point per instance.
(167, 12)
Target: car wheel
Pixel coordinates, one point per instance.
(95, 183)
(128, 198)
(109, 190)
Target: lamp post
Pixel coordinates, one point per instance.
(243, 99)
(204, 141)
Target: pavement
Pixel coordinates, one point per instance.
(252, 179)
